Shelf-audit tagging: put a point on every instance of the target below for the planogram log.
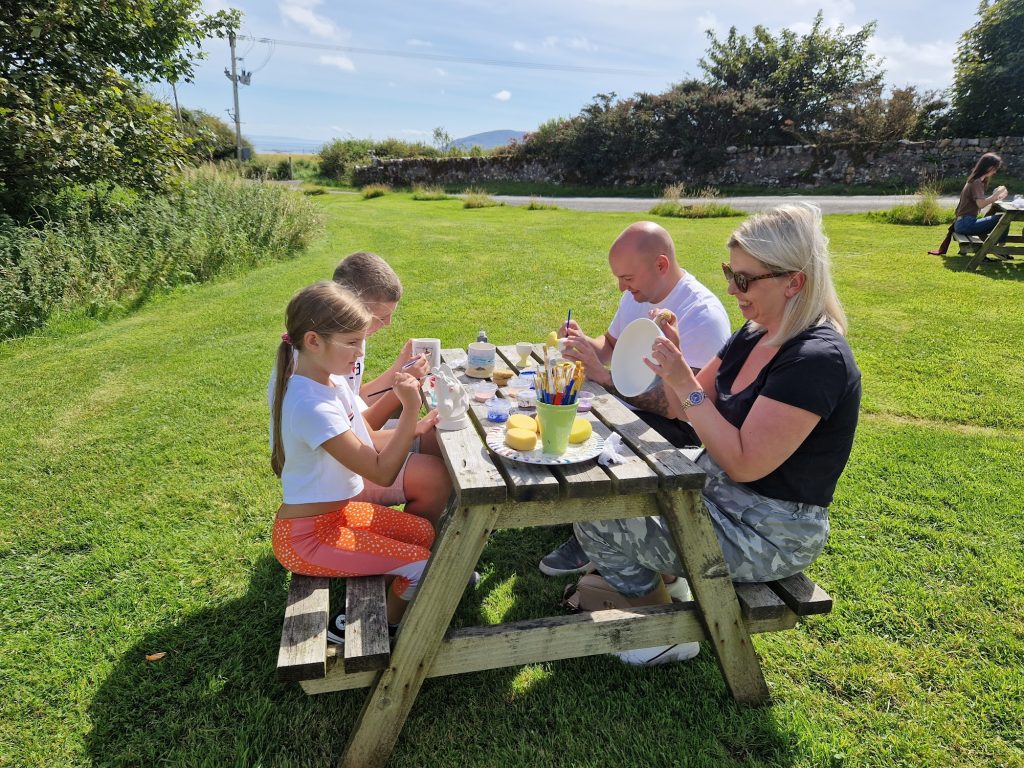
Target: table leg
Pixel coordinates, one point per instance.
(698, 548)
(391, 698)
(990, 242)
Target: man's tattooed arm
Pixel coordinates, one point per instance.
(654, 400)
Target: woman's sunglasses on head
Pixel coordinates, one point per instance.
(743, 282)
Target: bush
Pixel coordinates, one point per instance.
(104, 254)
(696, 211)
(478, 198)
(537, 205)
(925, 211)
(371, 191)
(341, 156)
(428, 193)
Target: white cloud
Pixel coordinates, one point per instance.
(926, 65)
(337, 129)
(418, 43)
(301, 12)
(414, 132)
(440, 71)
(503, 95)
(520, 46)
(576, 43)
(344, 63)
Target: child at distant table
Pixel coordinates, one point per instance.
(324, 453)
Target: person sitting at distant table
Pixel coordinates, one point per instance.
(973, 199)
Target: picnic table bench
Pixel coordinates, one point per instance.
(493, 492)
(982, 247)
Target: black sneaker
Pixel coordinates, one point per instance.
(336, 629)
(566, 560)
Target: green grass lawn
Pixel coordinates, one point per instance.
(137, 502)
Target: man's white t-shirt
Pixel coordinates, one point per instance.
(703, 322)
(311, 414)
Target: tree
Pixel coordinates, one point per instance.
(807, 79)
(211, 137)
(988, 89)
(442, 140)
(72, 109)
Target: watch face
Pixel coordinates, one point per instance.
(696, 398)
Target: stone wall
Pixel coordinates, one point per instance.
(807, 166)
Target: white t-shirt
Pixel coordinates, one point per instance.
(311, 414)
(703, 322)
(354, 379)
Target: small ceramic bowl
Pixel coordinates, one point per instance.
(484, 390)
(585, 401)
(498, 409)
(527, 399)
(518, 383)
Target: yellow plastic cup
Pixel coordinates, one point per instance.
(555, 426)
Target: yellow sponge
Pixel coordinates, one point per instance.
(521, 439)
(522, 421)
(581, 430)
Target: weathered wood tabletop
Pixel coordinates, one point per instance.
(495, 492)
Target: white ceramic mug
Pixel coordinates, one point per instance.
(429, 347)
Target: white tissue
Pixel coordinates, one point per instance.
(610, 454)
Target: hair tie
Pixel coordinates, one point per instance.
(286, 339)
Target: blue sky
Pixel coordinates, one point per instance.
(322, 94)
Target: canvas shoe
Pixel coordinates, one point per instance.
(336, 629)
(659, 654)
(566, 560)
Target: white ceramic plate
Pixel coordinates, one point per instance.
(574, 454)
(630, 374)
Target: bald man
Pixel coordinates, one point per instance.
(643, 260)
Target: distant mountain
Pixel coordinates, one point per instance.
(285, 144)
(488, 139)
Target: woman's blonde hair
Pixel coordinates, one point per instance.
(326, 308)
(791, 238)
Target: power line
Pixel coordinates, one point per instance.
(457, 59)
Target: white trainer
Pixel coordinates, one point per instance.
(659, 654)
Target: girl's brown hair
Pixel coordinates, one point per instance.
(325, 308)
(985, 163)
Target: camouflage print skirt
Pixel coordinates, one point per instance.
(762, 539)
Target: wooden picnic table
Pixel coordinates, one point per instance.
(1012, 245)
(494, 492)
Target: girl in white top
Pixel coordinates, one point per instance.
(323, 451)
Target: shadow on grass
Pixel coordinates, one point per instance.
(213, 700)
(990, 267)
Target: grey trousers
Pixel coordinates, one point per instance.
(762, 539)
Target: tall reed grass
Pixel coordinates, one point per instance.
(924, 212)
(211, 224)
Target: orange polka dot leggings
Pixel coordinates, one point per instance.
(359, 539)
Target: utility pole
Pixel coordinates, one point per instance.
(235, 78)
(177, 109)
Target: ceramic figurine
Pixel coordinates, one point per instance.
(452, 401)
